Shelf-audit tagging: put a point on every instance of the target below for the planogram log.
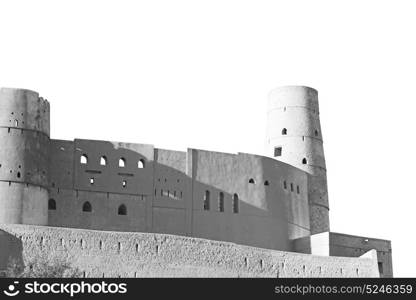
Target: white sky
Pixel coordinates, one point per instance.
(181, 74)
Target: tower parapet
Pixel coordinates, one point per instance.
(294, 136)
(24, 153)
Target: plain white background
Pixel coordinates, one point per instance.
(181, 74)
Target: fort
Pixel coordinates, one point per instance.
(127, 209)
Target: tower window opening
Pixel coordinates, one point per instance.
(140, 164)
(277, 151)
(51, 204)
(235, 204)
(297, 189)
(92, 180)
(103, 161)
(122, 210)
(86, 207)
(266, 183)
(16, 123)
(316, 132)
(122, 162)
(124, 183)
(206, 200)
(18, 174)
(304, 161)
(284, 131)
(291, 187)
(285, 185)
(84, 159)
(252, 181)
(221, 202)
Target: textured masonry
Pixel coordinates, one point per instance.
(115, 254)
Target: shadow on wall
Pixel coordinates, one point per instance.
(11, 249)
(162, 196)
(232, 203)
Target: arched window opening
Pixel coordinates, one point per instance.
(51, 204)
(285, 185)
(122, 162)
(87, 207)
(122, 210)
(266, 183)
(84, 159)
(140, 164)
(92, 180)
(316, 132)
(16, 123)
(284, 131)
(103, 161)
(206, 200)
(124, 183)
(252, 181)
(304, 161)
(235, 204)
(221, 202)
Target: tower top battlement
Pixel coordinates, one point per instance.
(24, 109)
(293, 95)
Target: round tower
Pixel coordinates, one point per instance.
(24, 154)
(294, 136)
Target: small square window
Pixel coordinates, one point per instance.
(277, 151)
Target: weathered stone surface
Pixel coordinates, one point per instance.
(100, 253)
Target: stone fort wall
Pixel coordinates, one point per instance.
(120, 254)
(241, 198)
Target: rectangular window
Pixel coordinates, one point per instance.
(291, 187)
(221, 202)
(277, 151)
(298, 189)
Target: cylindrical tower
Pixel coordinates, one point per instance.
(294, 136)
(24, 152)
